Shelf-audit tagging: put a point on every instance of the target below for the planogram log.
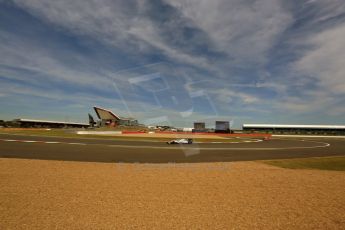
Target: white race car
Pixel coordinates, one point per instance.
(181, 141)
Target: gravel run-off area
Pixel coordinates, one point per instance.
(38, 194)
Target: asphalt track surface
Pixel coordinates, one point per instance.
(105, 150)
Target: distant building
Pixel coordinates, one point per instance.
(222, 127)
(108, 118)
(163, 127)
(295, 129)
(92, 121)
(47, 124)
(186, 129)
(199, 127)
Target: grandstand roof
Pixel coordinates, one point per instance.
(293, 126)
(50, 122)
(105, 114)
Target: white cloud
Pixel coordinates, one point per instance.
(30, 56)
(246, 30)
(120, 23)
(297, 105)
(326, 60)
(227, 96)
(326, 10)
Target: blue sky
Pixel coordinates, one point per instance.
(174, 62)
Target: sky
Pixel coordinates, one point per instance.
(174, 62)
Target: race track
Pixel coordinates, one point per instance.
(104, 150)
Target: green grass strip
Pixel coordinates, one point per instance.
(323, 163)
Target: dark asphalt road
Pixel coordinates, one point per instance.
(104, 150)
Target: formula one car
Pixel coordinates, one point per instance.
(181, 141)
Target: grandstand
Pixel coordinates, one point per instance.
(295, 129)
(108, 118)
(25, 123)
